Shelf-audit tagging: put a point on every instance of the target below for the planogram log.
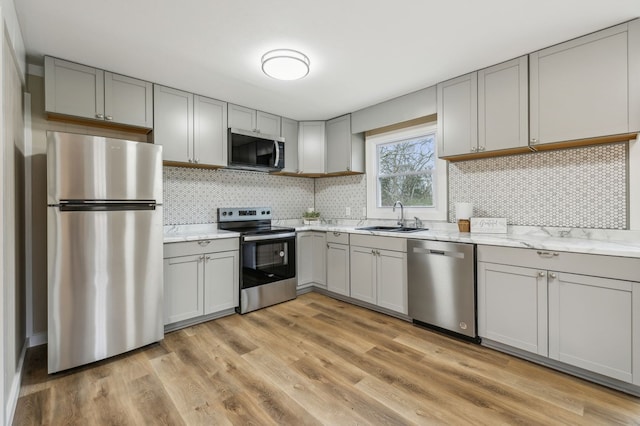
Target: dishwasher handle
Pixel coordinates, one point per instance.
(456, 254)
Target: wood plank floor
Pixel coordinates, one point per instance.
(314, 360)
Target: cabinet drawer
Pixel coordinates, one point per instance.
(198, 247)
(622, 268)
(337, 237)
(383, 243)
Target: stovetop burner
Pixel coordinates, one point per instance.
(249, 221)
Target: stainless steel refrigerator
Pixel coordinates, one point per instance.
(104, 243)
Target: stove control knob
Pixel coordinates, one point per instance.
(230, 213)
(268, 211)
(224, 213)
(263, 211)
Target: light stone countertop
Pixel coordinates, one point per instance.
(601, 242)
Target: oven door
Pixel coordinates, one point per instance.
(267, 258)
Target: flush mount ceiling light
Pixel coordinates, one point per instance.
(285, 64)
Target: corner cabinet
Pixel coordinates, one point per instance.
(191, 128)
(95, 95)
(256, 121)
(578, 309)
(588, 87)
(484, 111)
(379, 271)
(201, 278)
(311, 259)
(311, 147)
(345, 151)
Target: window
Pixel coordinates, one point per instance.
(403, 166)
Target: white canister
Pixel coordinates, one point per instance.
(464, 211)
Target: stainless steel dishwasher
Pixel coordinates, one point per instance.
(442, 285)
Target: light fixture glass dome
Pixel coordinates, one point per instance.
(285, 64)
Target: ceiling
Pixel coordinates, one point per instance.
(362, 52)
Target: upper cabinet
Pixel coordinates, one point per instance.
(484, 111)
(345, 151)
(92, 94)
(503, 106)
(290, 135)
(257, 121)
(586, 88)
(192, 129)
(311, 147)
(458, 115)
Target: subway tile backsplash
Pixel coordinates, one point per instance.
(193, 196)
(580, 187)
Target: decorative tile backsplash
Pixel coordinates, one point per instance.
(193, 195)
(581, 187)
(578, 188)
(335, 194)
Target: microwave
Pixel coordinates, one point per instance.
(255, 151)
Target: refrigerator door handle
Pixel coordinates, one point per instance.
(101, 207)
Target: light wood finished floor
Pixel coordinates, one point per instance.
(313, 360)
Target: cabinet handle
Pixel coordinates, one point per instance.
(207, 258)
(481, 148)
(337, 234)
(541, 274)
(100, 116)
(373, 252)
(109, 117)
(197, 160)
(201, 259)
(553, 275)
(348, 168)
(204, 243)
(474, 149)
(190, 160)
(328, 246)
(547, 254)
(534, 141)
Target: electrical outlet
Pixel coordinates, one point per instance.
(364, 212)
(348, 212)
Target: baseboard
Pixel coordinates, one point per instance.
(38, 339)
(14, 392)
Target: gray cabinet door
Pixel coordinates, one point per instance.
(268, 124)
(210, 131)
(221, 281)
(345, 151)
(128, 100)
(591, 323)
(311, 147)
(503, 106)
(304, 259)
(319, 273)
(392, 280)
(173, 129)
(363, 274)
(338, 268)
(512, 306)
(580, 89)
(73, 89)
(183, 288)
(458, 115)
(242, 118)
(290, 135)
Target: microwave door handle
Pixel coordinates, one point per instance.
(277, 149)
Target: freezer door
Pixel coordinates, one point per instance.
(105, 289)
(83, 167)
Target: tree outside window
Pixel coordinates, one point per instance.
(405, 172)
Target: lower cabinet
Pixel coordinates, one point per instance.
(550, 304)
(200, 278)
(338, 262)
(311, 259)
(379, 271)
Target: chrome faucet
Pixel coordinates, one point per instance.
(401, 220)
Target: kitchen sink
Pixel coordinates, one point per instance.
(391, 228)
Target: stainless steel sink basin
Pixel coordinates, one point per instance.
(391, 228)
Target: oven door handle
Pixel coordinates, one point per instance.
(249, 238)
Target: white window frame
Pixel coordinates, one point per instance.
(439, 209)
